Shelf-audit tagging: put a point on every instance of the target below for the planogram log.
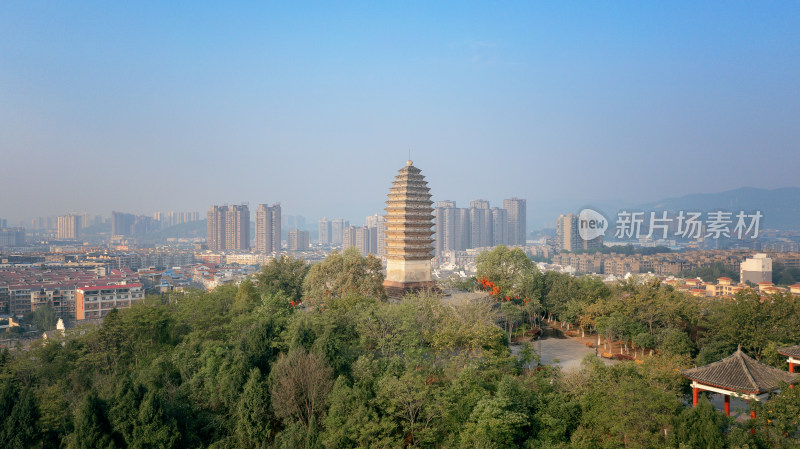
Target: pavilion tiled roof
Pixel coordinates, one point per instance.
(790, 351)
(742, 373)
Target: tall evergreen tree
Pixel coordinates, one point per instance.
(92, 428)
(153, 428)
(20, 429)
(253, 415)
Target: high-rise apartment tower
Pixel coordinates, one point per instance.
(268, 228)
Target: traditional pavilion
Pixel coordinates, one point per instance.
(409, 219)
(739, 375)
(793, 354)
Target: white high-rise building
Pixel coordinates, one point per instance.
(325, 231)
(69, 227)
(338, 226)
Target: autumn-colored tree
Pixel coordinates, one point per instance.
(299, 385)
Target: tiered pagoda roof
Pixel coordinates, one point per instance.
(409, 217)
(741, 373)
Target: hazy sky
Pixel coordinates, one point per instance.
(141, 107)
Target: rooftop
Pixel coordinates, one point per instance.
(742, 373)
(790, 351)
(109, 287)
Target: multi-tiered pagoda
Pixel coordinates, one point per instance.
(409, 218)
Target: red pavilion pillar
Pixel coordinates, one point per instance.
(752, 416)
(791, 367)
(694, 396)
(727, 405)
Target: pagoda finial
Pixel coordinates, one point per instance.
(409, 162)
(739, 348)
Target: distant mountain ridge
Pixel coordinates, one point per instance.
(780, 207)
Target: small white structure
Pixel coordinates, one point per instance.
(756, 269)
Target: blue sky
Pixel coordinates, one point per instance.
(143, 107)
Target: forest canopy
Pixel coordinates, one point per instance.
(316, 357)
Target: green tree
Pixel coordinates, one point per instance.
(618, 325)
(615, 400)
(675, 341)
(345, 274)
(494, 423)
(527, 355)
(354, 420)
(512, 271)
(779, 418)
(20, 428)
(457, 283)
(92, 428)
(699, 427)
(644, 341)
(44, 317)
(512, 315)
(124, 410)
(8, 397)
(302, 333)
(109, 343)
(284, 275)
(570, 299)
(753, 323)
(783, 275)
(153, 428)
(413, 401)
(260, 341)
(710, 273)
(246, 297)
(253, 414)
(297, 435)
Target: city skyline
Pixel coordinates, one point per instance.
(168, 218)
(489, 99)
